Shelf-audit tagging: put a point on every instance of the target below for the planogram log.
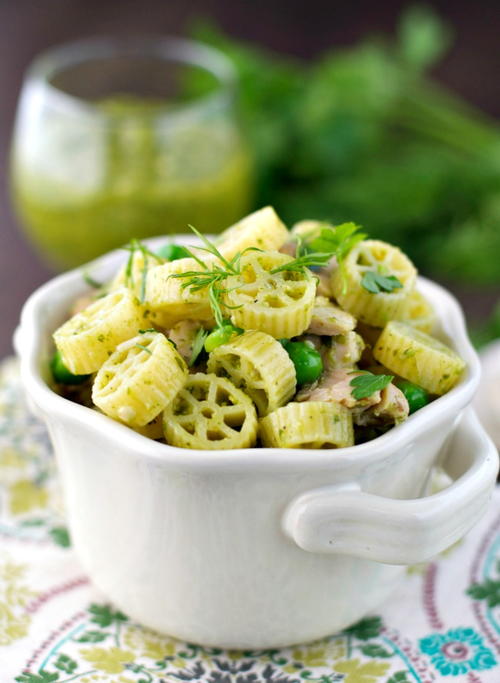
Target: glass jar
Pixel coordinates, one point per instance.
(108, 146)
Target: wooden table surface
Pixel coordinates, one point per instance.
(293, 26)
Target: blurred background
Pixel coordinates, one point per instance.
(382, 113)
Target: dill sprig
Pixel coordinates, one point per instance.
(211, 249)
(310, 260)
(211, 277)
(90, 281)
(332, 241)
(133, 247)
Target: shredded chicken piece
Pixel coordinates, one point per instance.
(335, 385)
(324, 275)
(289, 248)
(329, 320)
(392, 408)
(344, 351)
(183, 335)
(312, 340)
(382, 407)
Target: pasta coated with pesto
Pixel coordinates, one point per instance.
(382, 259)
(139, 379)
(314, 338)
(87, 339)
(169, 301)
(262, 229)
(258, 364)
(212, 414)
(266, 296)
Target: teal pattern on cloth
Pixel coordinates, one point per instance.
(441, 624)
(458, 651)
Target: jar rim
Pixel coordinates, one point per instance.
(168, 48)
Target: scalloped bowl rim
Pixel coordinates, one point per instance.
(28, 339)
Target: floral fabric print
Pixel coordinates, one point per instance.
(458, 651)
(442, 623)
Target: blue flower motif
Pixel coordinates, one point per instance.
(458, 651)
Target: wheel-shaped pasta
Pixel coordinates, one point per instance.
(170, 301)
(87, 339)
(262, 229)
(139, 379)
(210, 413)
(258, 364)
(419, 312)
(418, 357)
(314, 424)
(307, 229)
(280, 303)
(384, 259)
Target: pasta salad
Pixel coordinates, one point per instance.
(314, 337)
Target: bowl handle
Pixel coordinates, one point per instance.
(345, 520)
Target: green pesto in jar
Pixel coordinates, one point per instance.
(145, 170)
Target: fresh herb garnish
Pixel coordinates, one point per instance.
(212, 276)
(211, 249)
(341, 134)
(367, 384)
(133, 247)
(90, 280)
(172, 252)
(376, 282)
(198, 344)
(332, 240)
(300, 263)
(144, 348)
(150, 329)
(337, 239)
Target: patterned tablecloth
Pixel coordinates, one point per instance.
(442, 623)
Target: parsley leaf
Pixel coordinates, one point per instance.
(198, 344)
(376, 282)
(338, 240)
(367, 384)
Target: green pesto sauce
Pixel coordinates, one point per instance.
(138, 176)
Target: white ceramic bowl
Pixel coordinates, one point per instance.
(262, 547)
(487, 399)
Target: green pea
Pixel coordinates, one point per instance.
(219, 336)
(172, 252)
(416, 396)
(307, 361)
(61, 373)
